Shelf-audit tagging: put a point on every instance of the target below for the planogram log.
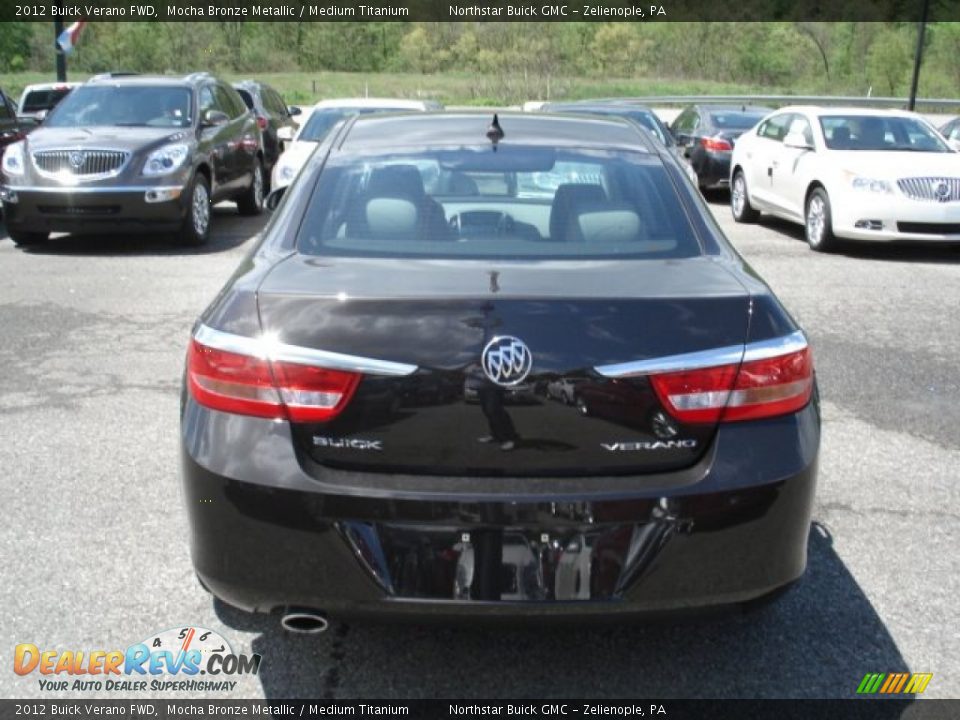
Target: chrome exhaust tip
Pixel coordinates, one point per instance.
(304, 622)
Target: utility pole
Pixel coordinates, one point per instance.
(61, 56)
(919, 56)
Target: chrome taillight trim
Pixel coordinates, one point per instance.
(759, 350)
(264, 347)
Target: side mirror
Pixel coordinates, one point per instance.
(797, 141)
(293, 110)
(273, 199)
(214, 118)
(285, 134)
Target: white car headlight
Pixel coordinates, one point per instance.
(13, 159)
(166, 160)
(871, 185)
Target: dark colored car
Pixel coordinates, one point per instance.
(707, 134)
(12, 127)
(273, 115)
(565, 247)
(135, 154)
(641, 114)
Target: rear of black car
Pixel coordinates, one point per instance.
(707, 135)
(353, 438)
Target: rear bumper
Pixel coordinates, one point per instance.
(100, 210)
(264, 537)
(713, 170)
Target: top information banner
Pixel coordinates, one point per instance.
(483, 10)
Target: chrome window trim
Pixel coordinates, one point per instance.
(282, 352)
(67, 189)
(760, 350)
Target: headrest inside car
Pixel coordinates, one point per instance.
(391, 217)
(610, 224)
(396, 181)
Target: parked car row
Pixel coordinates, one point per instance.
(849, 174)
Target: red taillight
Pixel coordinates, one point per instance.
(716, 144)
(761, 388)
(262, 122)
(249, 385)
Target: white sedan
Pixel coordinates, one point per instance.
(320, 120)
(848, 173)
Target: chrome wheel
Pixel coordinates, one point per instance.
(258, 185)
(201, 209)
(816, 220)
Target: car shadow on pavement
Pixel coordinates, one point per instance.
(911, 252)
(228, 230)
(817, 641)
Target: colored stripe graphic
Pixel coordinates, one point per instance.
(894, 683)
(918, 683)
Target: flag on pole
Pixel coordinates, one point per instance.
(69, 37)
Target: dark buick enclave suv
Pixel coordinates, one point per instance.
(325, 471)
(132, 154)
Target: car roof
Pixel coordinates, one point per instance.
(460, 129)
(848, 110)
(732, 107)
(610, 105)
(368, 102)
(157, 80)
(49, 86)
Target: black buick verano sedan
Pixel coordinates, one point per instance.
(351, 443)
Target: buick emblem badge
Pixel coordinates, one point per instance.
(942, 191)
(76, 159)
(506, 360)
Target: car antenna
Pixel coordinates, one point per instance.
(495, 132)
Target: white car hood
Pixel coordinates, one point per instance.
(890, 165)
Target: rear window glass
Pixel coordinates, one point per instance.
(38, 100)
(521, 202)
(735, 120)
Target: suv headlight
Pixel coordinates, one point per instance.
(166, 160)
(13, 159)
(871, 185)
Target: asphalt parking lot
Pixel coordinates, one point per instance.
(95, 547)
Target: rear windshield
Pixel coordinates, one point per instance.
(874, 132)
(38, 100)
(736, 120)
(123, 106)
(521, 202)
(323, 119)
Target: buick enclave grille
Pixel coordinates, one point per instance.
(80, 163)
(937, 189)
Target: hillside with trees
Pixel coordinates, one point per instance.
(510, 62)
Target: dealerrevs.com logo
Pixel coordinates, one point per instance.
(180, 660)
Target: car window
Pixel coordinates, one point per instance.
(736, 120)
(775, 128)
(123, 105)
(322, 120)
(39, 100)
(801, 126)
(6, 112)
(229, 100)
(530, 202)
(207, 100)
(246, 97)
(275, 102)
(879, 133)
